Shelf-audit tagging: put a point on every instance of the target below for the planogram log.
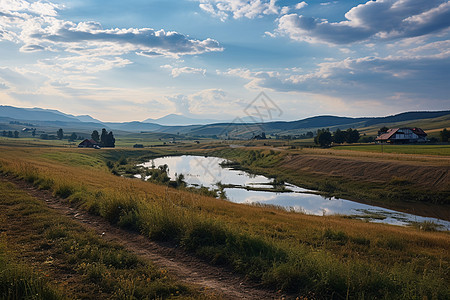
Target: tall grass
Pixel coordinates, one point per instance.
(296, 253)
(20, 282)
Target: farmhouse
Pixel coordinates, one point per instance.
(88, 143)
(402, 136)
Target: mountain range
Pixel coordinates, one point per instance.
(197, 127)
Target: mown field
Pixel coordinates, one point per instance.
(443, 150)
(315, 257)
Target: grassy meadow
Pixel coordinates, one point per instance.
(315, 257)
(45, 255)
(442, 150)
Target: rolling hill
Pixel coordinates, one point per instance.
(47, 119)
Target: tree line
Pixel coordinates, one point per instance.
(324, 137)
(105, 139)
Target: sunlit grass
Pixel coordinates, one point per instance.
(443, 150)
(326, 256)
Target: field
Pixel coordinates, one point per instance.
(443, 150)
(45, 255)
(302, 255)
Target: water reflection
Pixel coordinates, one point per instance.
(207, 171)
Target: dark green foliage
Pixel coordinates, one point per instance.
(339, 136)
(323, 138)
(16, 134)
(382, 130)
(351, 136)
(73, 137)
(60, 134)
(95, 136)
(107, 139)
(445, 135)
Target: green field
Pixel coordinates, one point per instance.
(331, 257)
(443, 150)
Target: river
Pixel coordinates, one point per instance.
(242, 187)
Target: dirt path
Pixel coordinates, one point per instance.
(185, 267)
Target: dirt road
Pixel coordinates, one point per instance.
(185, 267)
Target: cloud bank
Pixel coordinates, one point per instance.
(239, 8)
(382, 19)
(36, 25)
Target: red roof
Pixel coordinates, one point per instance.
(387, 135)
(89, 141)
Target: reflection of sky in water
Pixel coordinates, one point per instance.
(206, 171)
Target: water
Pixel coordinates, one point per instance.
(207, 172)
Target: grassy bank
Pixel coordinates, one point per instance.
(393, 182)
(59, 259)
(315, 257)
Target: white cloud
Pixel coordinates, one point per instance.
(86, 46)
(239, 8)
(175, 72)
(383, 19)
(301, 5)
(214, 103)
(412, 77)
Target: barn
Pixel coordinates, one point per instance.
(402, 136)
(89, 143)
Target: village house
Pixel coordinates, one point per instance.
(402, 136)
(89, 143)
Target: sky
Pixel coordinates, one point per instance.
(137, 59)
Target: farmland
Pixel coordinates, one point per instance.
(299, 254)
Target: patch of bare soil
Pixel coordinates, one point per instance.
(184, 266)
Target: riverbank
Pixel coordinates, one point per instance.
(415, 184)
(304, 255)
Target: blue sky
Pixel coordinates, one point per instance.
(138, 59)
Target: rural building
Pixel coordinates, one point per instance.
(89, 143)
(402, 136)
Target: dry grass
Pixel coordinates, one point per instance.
(329, 256)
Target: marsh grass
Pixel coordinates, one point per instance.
(319, 257)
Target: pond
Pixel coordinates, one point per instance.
(243, 187)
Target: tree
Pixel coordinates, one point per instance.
(4, 133)
(382, 130)
(33, 133)
(104, 138)
(339, 136)
(111, 141)
(60, 134)
(323, 138)
(445, 135)
(351, 136)
(10, 134)
(73, 137)
(95, 136)
(16, 134)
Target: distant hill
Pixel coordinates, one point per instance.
(246, 130)
(40, 114)
(177, 120)
(176, 124)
